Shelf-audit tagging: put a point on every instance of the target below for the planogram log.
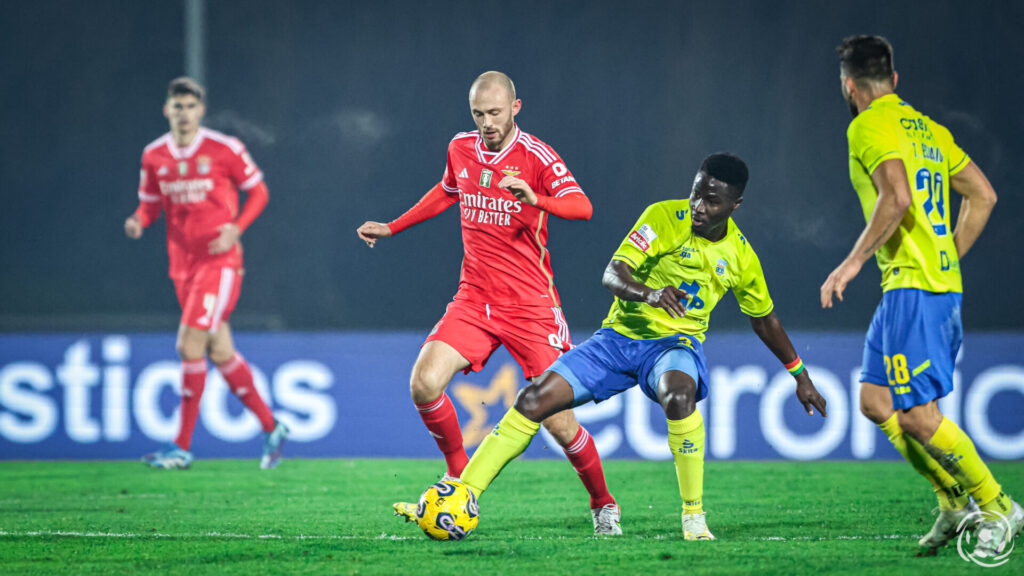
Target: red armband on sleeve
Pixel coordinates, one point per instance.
(257, 199)
(574, 206)
(435, 201)
(147, 213)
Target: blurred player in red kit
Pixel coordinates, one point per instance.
(507, 183)
(192, 174)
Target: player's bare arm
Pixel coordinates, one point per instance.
(769, 329)
(520, 189)
(133, 227)
(894, 198)
(978, 202)
(619, 280)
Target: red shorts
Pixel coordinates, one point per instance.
(535, 335)
(208, 296)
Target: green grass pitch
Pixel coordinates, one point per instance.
(334, 517)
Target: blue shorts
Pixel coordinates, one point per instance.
(912, 344)
(609, 363)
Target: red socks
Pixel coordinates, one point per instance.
(193, 380)
(239, 378)
(582, 453)
(443, 424)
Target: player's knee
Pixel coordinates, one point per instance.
(918, 424)
(187, 350)
(876, 407)
(530, 403)
(221, 353)
(678, 398)
(871, 411)
(909, 425)
(426, 384)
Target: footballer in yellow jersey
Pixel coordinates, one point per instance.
(921, 252)
(902, 165)
(663, 250)
(667, 275)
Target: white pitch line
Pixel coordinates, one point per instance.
(386, 536)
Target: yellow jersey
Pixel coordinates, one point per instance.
(921, 253)
(663, 251)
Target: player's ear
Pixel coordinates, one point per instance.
(851, 84)
(895, 79)
(517, 106)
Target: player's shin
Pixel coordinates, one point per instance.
(686, 440)
(442, 422)
(237, 374)
(193, 381)
(956, 453)
(582, 454)
(948, 491)
(508, 439)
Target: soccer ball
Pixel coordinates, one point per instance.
(447, 511)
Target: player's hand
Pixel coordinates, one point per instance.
(133, 227)
(836, 282)
(229, 234)
(371, 231)
(808, 395)
(672, 299)
(520, 189)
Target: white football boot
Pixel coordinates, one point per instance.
(947, 525)
(695, 527)
(606, 520)
(994, 535)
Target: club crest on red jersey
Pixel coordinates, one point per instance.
(203, 165)
(511, 171)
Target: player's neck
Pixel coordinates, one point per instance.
(863, 99)
(184, 139)
(715, 234)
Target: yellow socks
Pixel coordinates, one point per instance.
(948, 491)
(686, 439)
(952, 448)
(508, 439)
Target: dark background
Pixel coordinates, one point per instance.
(348, 108)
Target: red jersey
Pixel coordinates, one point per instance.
(506, 260)
(197, 187)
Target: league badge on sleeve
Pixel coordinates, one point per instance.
(642, 237)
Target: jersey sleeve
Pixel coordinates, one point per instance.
(555, 178)
(244, 172)
(752, 291)
(448, 181)
(149, 190)
(649, 237)
(872, 141)
(956, 158)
